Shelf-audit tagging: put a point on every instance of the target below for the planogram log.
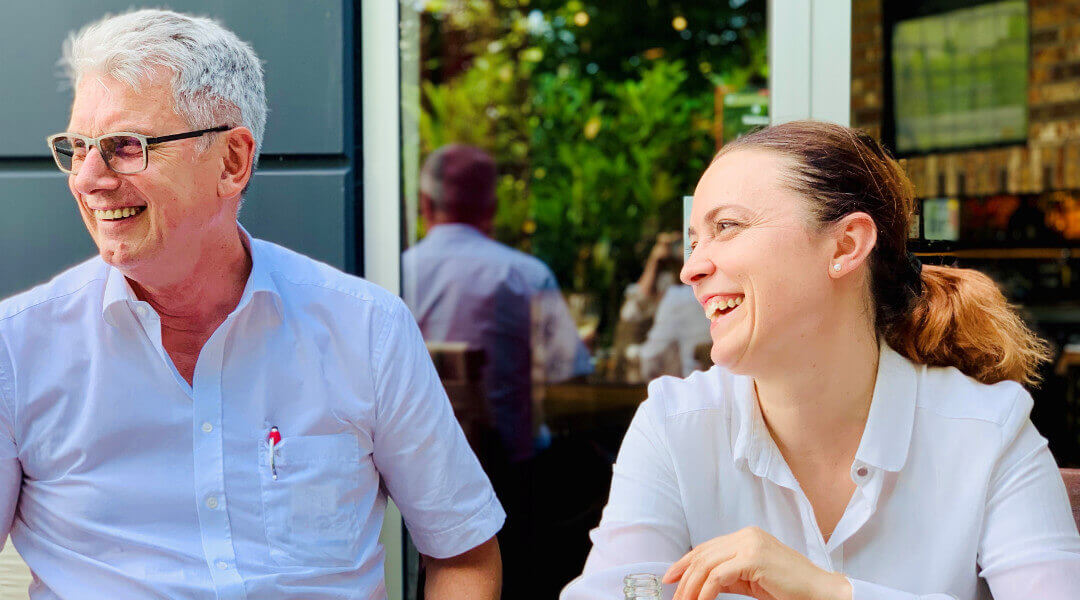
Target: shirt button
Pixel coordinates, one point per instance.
(141, 310)
(207, 427)
(861, 472)
(222, 565)
(211, 502)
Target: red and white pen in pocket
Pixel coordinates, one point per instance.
(273, 439)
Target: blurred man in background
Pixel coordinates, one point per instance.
(463, 286)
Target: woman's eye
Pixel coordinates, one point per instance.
(723, 225)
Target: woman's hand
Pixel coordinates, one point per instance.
(753, 563)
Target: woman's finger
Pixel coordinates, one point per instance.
(676, 570)
(691, 581)
(722, 578)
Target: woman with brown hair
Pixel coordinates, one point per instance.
(865, 433)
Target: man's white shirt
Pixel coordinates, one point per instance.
(118, 479)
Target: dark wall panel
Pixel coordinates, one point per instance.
(41, 233)
(301, 197)
(303, 210)
(300, 42)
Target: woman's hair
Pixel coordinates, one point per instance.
(216, 78)
(933, 315)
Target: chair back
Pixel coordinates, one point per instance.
(460, 368)
(1072, 485)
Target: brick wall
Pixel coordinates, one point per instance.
(1051, 158)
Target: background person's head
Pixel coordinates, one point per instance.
(457, 185)
(806, 225)
(159, 73)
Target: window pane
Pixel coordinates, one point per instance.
(547, 149)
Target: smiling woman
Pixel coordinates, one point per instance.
(863, 408)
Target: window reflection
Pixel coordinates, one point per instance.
(547, 148)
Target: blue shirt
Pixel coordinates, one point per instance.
(117, 476)
(465, 287)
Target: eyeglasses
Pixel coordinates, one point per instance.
(123, 152)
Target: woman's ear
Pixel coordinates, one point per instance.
(855, 236)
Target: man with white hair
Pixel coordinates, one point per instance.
(195, 413)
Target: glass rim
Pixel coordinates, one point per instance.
(92, 142)
(144, 143)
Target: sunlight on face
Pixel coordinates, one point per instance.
(757, 265)
(174, 198)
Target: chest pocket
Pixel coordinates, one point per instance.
(310, 510)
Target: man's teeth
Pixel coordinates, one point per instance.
(714, 306)
(119, 213)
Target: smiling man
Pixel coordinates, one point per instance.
(195, 413)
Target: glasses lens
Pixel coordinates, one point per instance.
(69, 152)
(123, 153)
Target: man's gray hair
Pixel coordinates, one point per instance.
(217, 78)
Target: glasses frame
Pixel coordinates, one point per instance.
(144, 141)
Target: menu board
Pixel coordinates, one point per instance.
(960, 78)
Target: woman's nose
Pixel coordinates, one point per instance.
(94, 174)
(696, 267)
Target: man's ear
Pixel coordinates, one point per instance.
(237, 162)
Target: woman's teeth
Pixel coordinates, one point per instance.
(119, 213)
(718, 306)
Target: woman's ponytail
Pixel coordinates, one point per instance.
(961, 319)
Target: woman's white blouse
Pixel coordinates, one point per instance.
(957, 495)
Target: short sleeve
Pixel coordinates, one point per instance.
(7, 405)
(426, 463)
(10, 468)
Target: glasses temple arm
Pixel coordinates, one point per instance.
(184, 136)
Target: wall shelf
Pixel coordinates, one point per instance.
(1051, 253)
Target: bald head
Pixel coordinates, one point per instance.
(457, 185)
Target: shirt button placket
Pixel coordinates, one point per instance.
(216, 531)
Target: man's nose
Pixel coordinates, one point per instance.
(94, 174)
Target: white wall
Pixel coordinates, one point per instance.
(809, 60)
(380, 109)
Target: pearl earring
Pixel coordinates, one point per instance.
(836, 267)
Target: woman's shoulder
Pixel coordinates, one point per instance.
(948, 393)
(716, 389)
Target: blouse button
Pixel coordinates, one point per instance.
(861, 472)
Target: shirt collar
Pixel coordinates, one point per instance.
(118, 290)
(454, 229)
(886, 437)
(752, 438)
